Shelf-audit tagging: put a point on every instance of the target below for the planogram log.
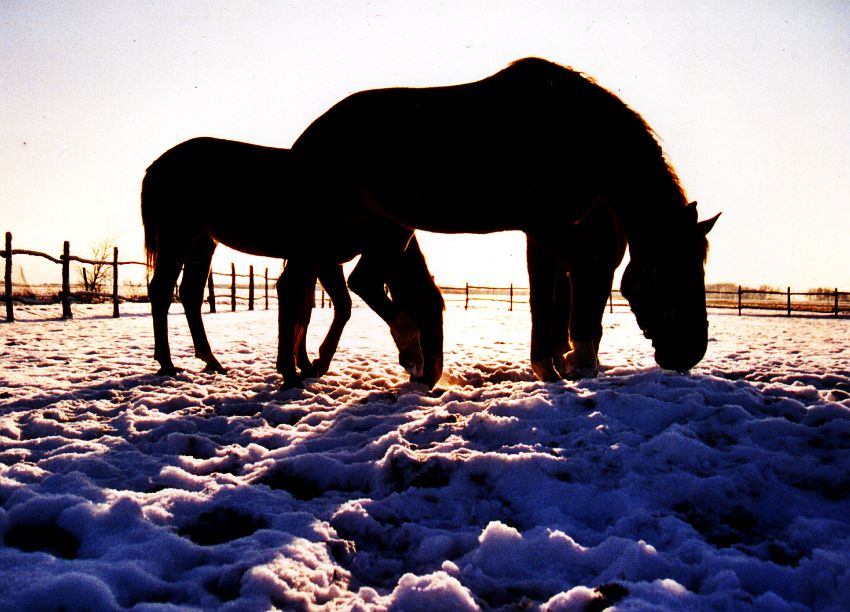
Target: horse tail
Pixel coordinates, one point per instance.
(151, 200)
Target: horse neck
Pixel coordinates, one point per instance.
(650, 213)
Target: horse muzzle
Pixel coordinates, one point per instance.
(679, 344)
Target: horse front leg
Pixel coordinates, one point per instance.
(294, 290)
(367, 280)
(542, 268)
(559, 335)
(585, 326)
(599, 301)
(333, 280)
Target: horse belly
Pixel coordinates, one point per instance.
(288, 238)
(446, 209)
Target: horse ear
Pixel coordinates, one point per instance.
(705, 226)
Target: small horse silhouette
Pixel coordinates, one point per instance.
(205, 191)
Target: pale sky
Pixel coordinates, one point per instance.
(751, 101)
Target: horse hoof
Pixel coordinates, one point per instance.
(581, 363)
(431, 374)
(572, 373)
(428, 381)
(215, 368)
(416, 370)
(288, 385)
(412, 360)
(309, 371)
(320, 367)
(544, 371)
(170, 371)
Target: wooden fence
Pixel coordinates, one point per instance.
(834, 303)
(64, 260)
(789, 302)
(505, 295)
(66, 296)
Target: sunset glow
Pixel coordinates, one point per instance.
(750, 102)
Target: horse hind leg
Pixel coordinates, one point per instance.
(195, 273)
(160, 292)
(295, 289)
(333, 280)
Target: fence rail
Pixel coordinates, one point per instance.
(65, 296)
(835, 302)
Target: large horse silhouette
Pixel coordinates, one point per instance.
(531, 148)
(205, 191)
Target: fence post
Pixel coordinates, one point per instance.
(511, 309)
(232, 287)
(740, 293)
(267, 288)
(323, 296)
(66, 280)
(836, 301)
(611, 302)
(466, 306)
(251, 287)
(211, 292)
(10, 311)
(789, 301)
(115, 312)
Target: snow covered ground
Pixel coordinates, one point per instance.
(726, 489)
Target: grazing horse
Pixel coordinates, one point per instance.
(205, 191)
(531, 148)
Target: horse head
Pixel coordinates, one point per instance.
(665, 287)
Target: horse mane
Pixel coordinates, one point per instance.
(538, 70)
(655, 165)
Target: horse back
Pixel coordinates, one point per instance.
(230, 190)
(462, 157)
(251, 198)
